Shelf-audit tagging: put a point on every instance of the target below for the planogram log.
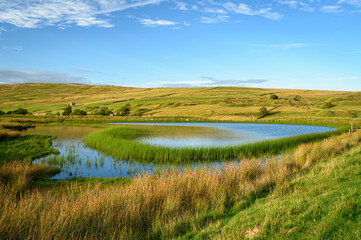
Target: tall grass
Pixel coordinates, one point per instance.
(25, 148)
(7, 134)
(154, 207)
(120, 143)
(19, 175)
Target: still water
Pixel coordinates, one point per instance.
(76, 159)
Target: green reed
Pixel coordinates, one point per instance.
(120, 142)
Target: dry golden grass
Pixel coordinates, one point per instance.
(162, 206)
(8, 134)
(219, 103)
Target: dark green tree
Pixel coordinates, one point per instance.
(79, 112)
(67, 111)
(125, 110)
(274, 96)
(263, 112)
(19, 111)
(104, 111)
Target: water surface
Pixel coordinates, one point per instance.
(76, 159)
(223, 134)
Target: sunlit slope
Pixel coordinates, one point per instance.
(218, 103)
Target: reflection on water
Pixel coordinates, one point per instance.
(222, 134)
(76, 159)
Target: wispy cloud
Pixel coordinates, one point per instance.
(14, 48)
(156, 23)
(215, 19)
(61, 13)
(242, 8)
(283, 46)
(350, 2)
(331, 9)
(214, 81)
(12, 76)
(80, 70)
(181, 6)
(208, 81)
(299, 5)
(85, 13)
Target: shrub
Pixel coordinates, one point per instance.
(2, 112)
(328, 105)
(263, 112)
(297, 98)
(19, 111)
(67, 111)
(79, 112)
(104, 111)
(274, 96)
(125, 110)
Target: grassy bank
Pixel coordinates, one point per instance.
(25, 148)
(120, 143)
(200, 202)
(179, 104)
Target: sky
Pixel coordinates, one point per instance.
(295, 44)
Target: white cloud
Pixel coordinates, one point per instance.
(11, 76)
(155, 23)
(215, 19)
(39, 13)
(181, 6)
(350, 2)
(331, 9)
(299, 5)
(208, 81)
(242, 8)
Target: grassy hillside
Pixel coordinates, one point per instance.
(216, 103)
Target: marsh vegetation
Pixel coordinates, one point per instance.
(310, 189)
(171, 204)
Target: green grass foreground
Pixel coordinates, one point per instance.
(14, 147)
(119, 142)
(310, 193)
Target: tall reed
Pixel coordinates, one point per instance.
(7, 134)
(154, 207)
(121, 143)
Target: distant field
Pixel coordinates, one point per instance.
(213, 103)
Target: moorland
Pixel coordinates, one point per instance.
(306, 188)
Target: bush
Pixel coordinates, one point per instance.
(263, 112)
(67, 111)
(328, 105)
(19, 111)
(125, 110)
(79, 112)
(274, 96)
(104, 111)
(2, 112)
(297, 98)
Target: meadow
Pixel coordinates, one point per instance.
(310, 190)
(197, 204)
(180, 104)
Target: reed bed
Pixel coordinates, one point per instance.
(7, 134)
(162, 206)
(121, 143)
(20, 175)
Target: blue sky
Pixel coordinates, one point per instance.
(301, 44)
